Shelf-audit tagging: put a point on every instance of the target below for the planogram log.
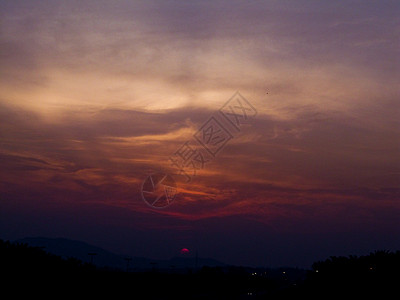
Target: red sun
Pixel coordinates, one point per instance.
(185, 251)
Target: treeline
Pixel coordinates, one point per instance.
(375, 274)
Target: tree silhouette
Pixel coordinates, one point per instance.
(375, 273)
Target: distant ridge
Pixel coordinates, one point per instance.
(77, 249)
(72, 248)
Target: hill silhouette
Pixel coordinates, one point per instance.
(376, 274)
(68, 248)
(19, 258)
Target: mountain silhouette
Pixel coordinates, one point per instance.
(67, 248)
(71, 248)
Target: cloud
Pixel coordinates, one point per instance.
(167, 55)
(95, 96)
(309, 151)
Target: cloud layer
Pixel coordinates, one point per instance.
(94, 96)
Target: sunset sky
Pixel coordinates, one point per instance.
(97, 95)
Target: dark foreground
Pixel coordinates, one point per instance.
(30, 271)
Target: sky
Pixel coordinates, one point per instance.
(95, 96)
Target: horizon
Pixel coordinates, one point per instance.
(75, 245)
(260, 134)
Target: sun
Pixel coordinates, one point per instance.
(185, 251)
